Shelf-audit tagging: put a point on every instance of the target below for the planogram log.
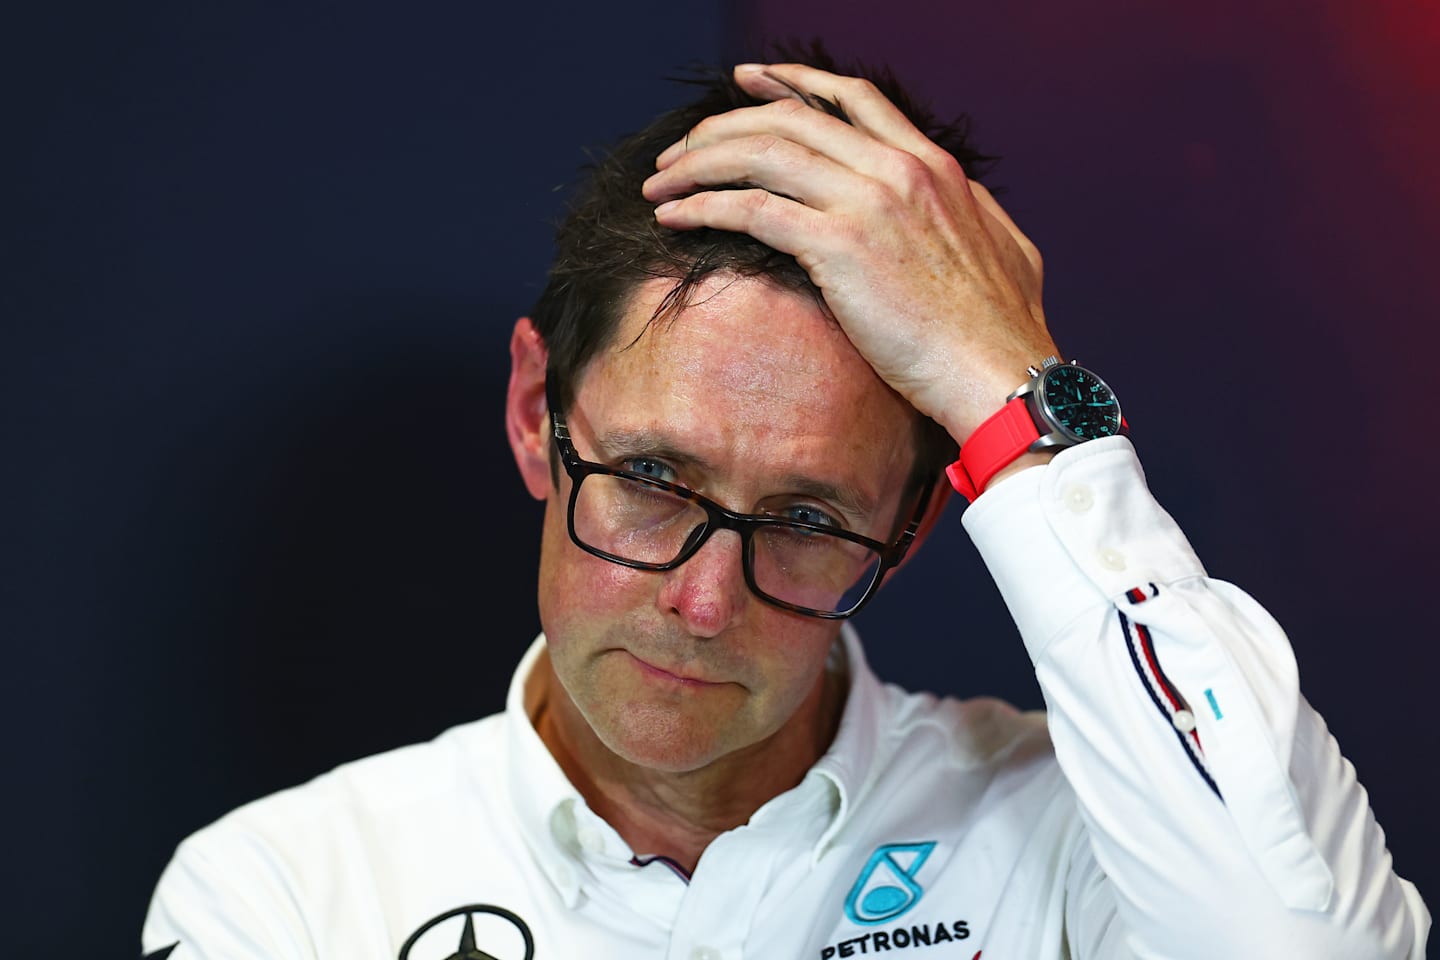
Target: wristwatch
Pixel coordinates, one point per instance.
(1061, 405)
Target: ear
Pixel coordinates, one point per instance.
(527, 420)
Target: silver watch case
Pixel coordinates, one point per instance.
(1054, 435)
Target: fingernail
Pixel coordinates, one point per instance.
(666, 207)
(749, 67)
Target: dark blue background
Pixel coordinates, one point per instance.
(261, 264)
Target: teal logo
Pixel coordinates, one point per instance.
(886, 887)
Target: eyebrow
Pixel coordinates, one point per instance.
(653, 444)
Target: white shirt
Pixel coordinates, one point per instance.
(1192, 804)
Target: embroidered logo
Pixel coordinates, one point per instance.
(886, 887)
(469, 948)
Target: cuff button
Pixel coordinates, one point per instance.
(1078, 498)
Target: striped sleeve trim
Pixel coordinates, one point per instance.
(1163, 694)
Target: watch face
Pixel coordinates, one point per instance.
(1080, 403)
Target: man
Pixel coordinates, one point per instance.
(772, 319)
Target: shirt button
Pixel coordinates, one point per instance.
(1183, 720)
(1112, 559)
(704, 953)
(1078, 498)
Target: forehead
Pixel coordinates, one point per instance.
(749, 372)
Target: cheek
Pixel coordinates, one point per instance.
(577, 587)
(788, 659)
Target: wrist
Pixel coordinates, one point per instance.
(982, 395)
(1062, 405)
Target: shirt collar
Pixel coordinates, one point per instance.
(544, 800)
(847, 763)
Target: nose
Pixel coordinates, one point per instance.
(708, 591)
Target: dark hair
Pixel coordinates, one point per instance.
(609, 242)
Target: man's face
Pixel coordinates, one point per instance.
(753, 398)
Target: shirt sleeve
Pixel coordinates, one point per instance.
(1223, 819)
(243, 910)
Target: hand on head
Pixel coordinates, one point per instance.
(926, 273)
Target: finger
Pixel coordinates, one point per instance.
(790, 119)
(773, 163)
(868, 108)
(778, 222)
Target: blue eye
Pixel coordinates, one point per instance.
(651, 468)
(809, 513)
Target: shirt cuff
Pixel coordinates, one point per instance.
(1079, 531)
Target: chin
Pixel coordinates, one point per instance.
(659, 738)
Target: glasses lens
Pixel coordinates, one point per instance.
(633, 519)
(636, 521)
(812, 569)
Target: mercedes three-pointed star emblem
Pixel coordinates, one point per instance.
(468, 950)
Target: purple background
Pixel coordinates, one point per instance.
(260, 517)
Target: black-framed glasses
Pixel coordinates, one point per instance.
(637, 521)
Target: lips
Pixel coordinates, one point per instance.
(671, 676)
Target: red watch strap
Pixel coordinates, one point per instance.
(1005, 435)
